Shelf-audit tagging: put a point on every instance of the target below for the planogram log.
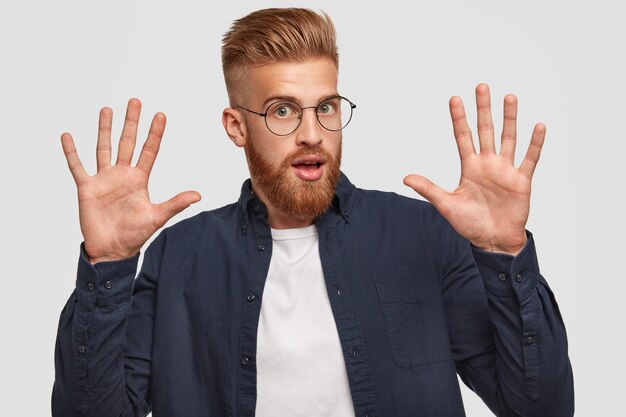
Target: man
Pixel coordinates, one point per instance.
(308, 297)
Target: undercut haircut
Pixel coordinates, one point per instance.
(274, 35)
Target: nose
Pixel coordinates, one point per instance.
(310, 131)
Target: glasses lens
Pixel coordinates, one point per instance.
(334, 113)
(283, 117)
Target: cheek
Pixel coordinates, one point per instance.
(335, 148)
(270, 150)
(277, 154)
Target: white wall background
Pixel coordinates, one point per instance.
(63, 60)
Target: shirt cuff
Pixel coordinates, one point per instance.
(108, 282)
(508, 275)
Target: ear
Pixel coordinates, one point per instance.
(235, 126)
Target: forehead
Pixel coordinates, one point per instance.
(308, 81)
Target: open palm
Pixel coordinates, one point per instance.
(490, 206)
(116, 214)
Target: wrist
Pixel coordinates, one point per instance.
(108, 257)
(511, 247)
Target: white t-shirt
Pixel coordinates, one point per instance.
(300, 365)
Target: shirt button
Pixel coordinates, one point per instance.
(519, 278)
(260, 247)
(90, 286)
(243, 229)
(346, 214)
(250, 297)
(257, 208)
(82, 349)
(502, 277)
(354, 352)
(245, 361)
(530, 340)
(108, 285)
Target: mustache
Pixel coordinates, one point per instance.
(316, 150)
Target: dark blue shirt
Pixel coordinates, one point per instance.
(413, 302)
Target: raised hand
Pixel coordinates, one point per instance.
(491, 204)
(116, 214)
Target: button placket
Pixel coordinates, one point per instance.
(354, 352)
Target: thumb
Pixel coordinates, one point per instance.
(425, 188)
(175, 205)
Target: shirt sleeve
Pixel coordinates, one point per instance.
(95, 374)
(508, 337)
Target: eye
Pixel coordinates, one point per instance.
(283, 110)
(326, 108)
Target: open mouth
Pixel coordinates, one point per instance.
(307, 165)
(309, 168)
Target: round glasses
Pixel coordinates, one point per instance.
(283, 117)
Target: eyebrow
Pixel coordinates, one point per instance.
(278, 97)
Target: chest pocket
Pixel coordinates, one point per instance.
(415, 319)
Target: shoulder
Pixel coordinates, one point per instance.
(407, 219)
(392, 204)
(211, 222)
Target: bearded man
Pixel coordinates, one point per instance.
(308, 296)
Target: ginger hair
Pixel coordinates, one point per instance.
(274, 35)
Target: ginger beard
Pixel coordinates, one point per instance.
(290, 194)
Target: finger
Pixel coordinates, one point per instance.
(129, 132)
(509, 128)
(175, 205)
(485, 123)
(73, 161)
(462, 132)
(534, 151)
(103, 149)
(427, 189)
(151, 147)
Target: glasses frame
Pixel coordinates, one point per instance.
(264, 114)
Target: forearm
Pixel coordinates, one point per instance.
(533, 376)
(89, 361)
